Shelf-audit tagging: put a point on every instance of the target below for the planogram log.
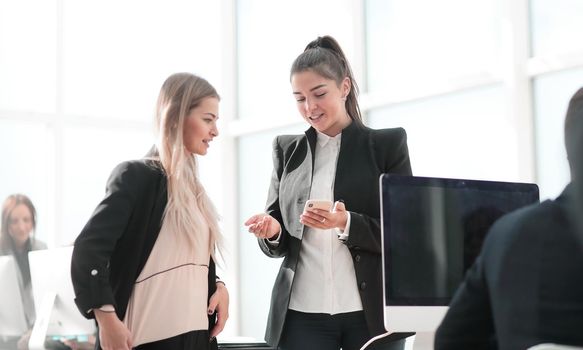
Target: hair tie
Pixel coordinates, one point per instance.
(315, 44)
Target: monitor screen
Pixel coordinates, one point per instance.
(54, 296)
(433, 230)
(12, 315)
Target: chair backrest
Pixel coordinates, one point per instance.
(391, 341)
(549, 346)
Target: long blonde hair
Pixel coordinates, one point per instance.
(180, 93)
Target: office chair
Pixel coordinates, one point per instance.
(381, 342)
(549, 346)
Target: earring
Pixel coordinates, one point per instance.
(343, 98)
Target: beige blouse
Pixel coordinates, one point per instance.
(170, 295)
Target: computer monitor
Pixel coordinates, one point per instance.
(12, 317)
(432, 231)
(56, 311)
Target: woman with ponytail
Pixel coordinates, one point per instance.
(328, 293)
(143, 266)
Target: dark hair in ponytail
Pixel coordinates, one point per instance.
(325, 57)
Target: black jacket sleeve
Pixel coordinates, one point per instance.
(97, 241)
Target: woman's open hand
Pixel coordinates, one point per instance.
(263, 226)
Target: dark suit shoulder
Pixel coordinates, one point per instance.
(134, 174)
(531, 216)
(521, 228)
(144, 165)
(390, 147)
(394, 132)
(389, 137)
(148, 167)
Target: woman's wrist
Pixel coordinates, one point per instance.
(344, 221)
(104, 317)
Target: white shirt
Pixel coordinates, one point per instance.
(325, 281)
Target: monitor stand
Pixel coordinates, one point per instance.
(413, 340)
(41, 325)
(387, 337)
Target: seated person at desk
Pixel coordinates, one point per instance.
(526, 287)
(17, 239)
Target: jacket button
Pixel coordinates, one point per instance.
(363, 286)
(94, 272)
(357, 258)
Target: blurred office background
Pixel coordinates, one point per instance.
(481, 86)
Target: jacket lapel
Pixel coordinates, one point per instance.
(352, 142)
(304, 176)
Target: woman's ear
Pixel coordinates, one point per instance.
(345, 87)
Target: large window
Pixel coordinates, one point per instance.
(28, 55)
(28, 155)
(437, 69)
(463, 135)
(116, 54)
(78, 85)
(555, 26)
(481, 87)
(556, 68)
(552, 93)
(256, 272)
(271, 34)
(416, 45)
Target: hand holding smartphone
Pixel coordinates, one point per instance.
(318, 204)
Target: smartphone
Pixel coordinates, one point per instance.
(318, 204)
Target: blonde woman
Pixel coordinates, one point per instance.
(143, 266)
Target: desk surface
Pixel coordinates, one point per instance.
(245, 346)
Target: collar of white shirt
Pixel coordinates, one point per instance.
(323, 139)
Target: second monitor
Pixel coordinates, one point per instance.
(432, 231)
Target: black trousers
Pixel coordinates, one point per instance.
(346, 331)
(195, 340)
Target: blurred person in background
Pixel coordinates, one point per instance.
(17, 239)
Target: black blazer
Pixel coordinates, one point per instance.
(113, 247)
(525, 288)
(364, 154)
